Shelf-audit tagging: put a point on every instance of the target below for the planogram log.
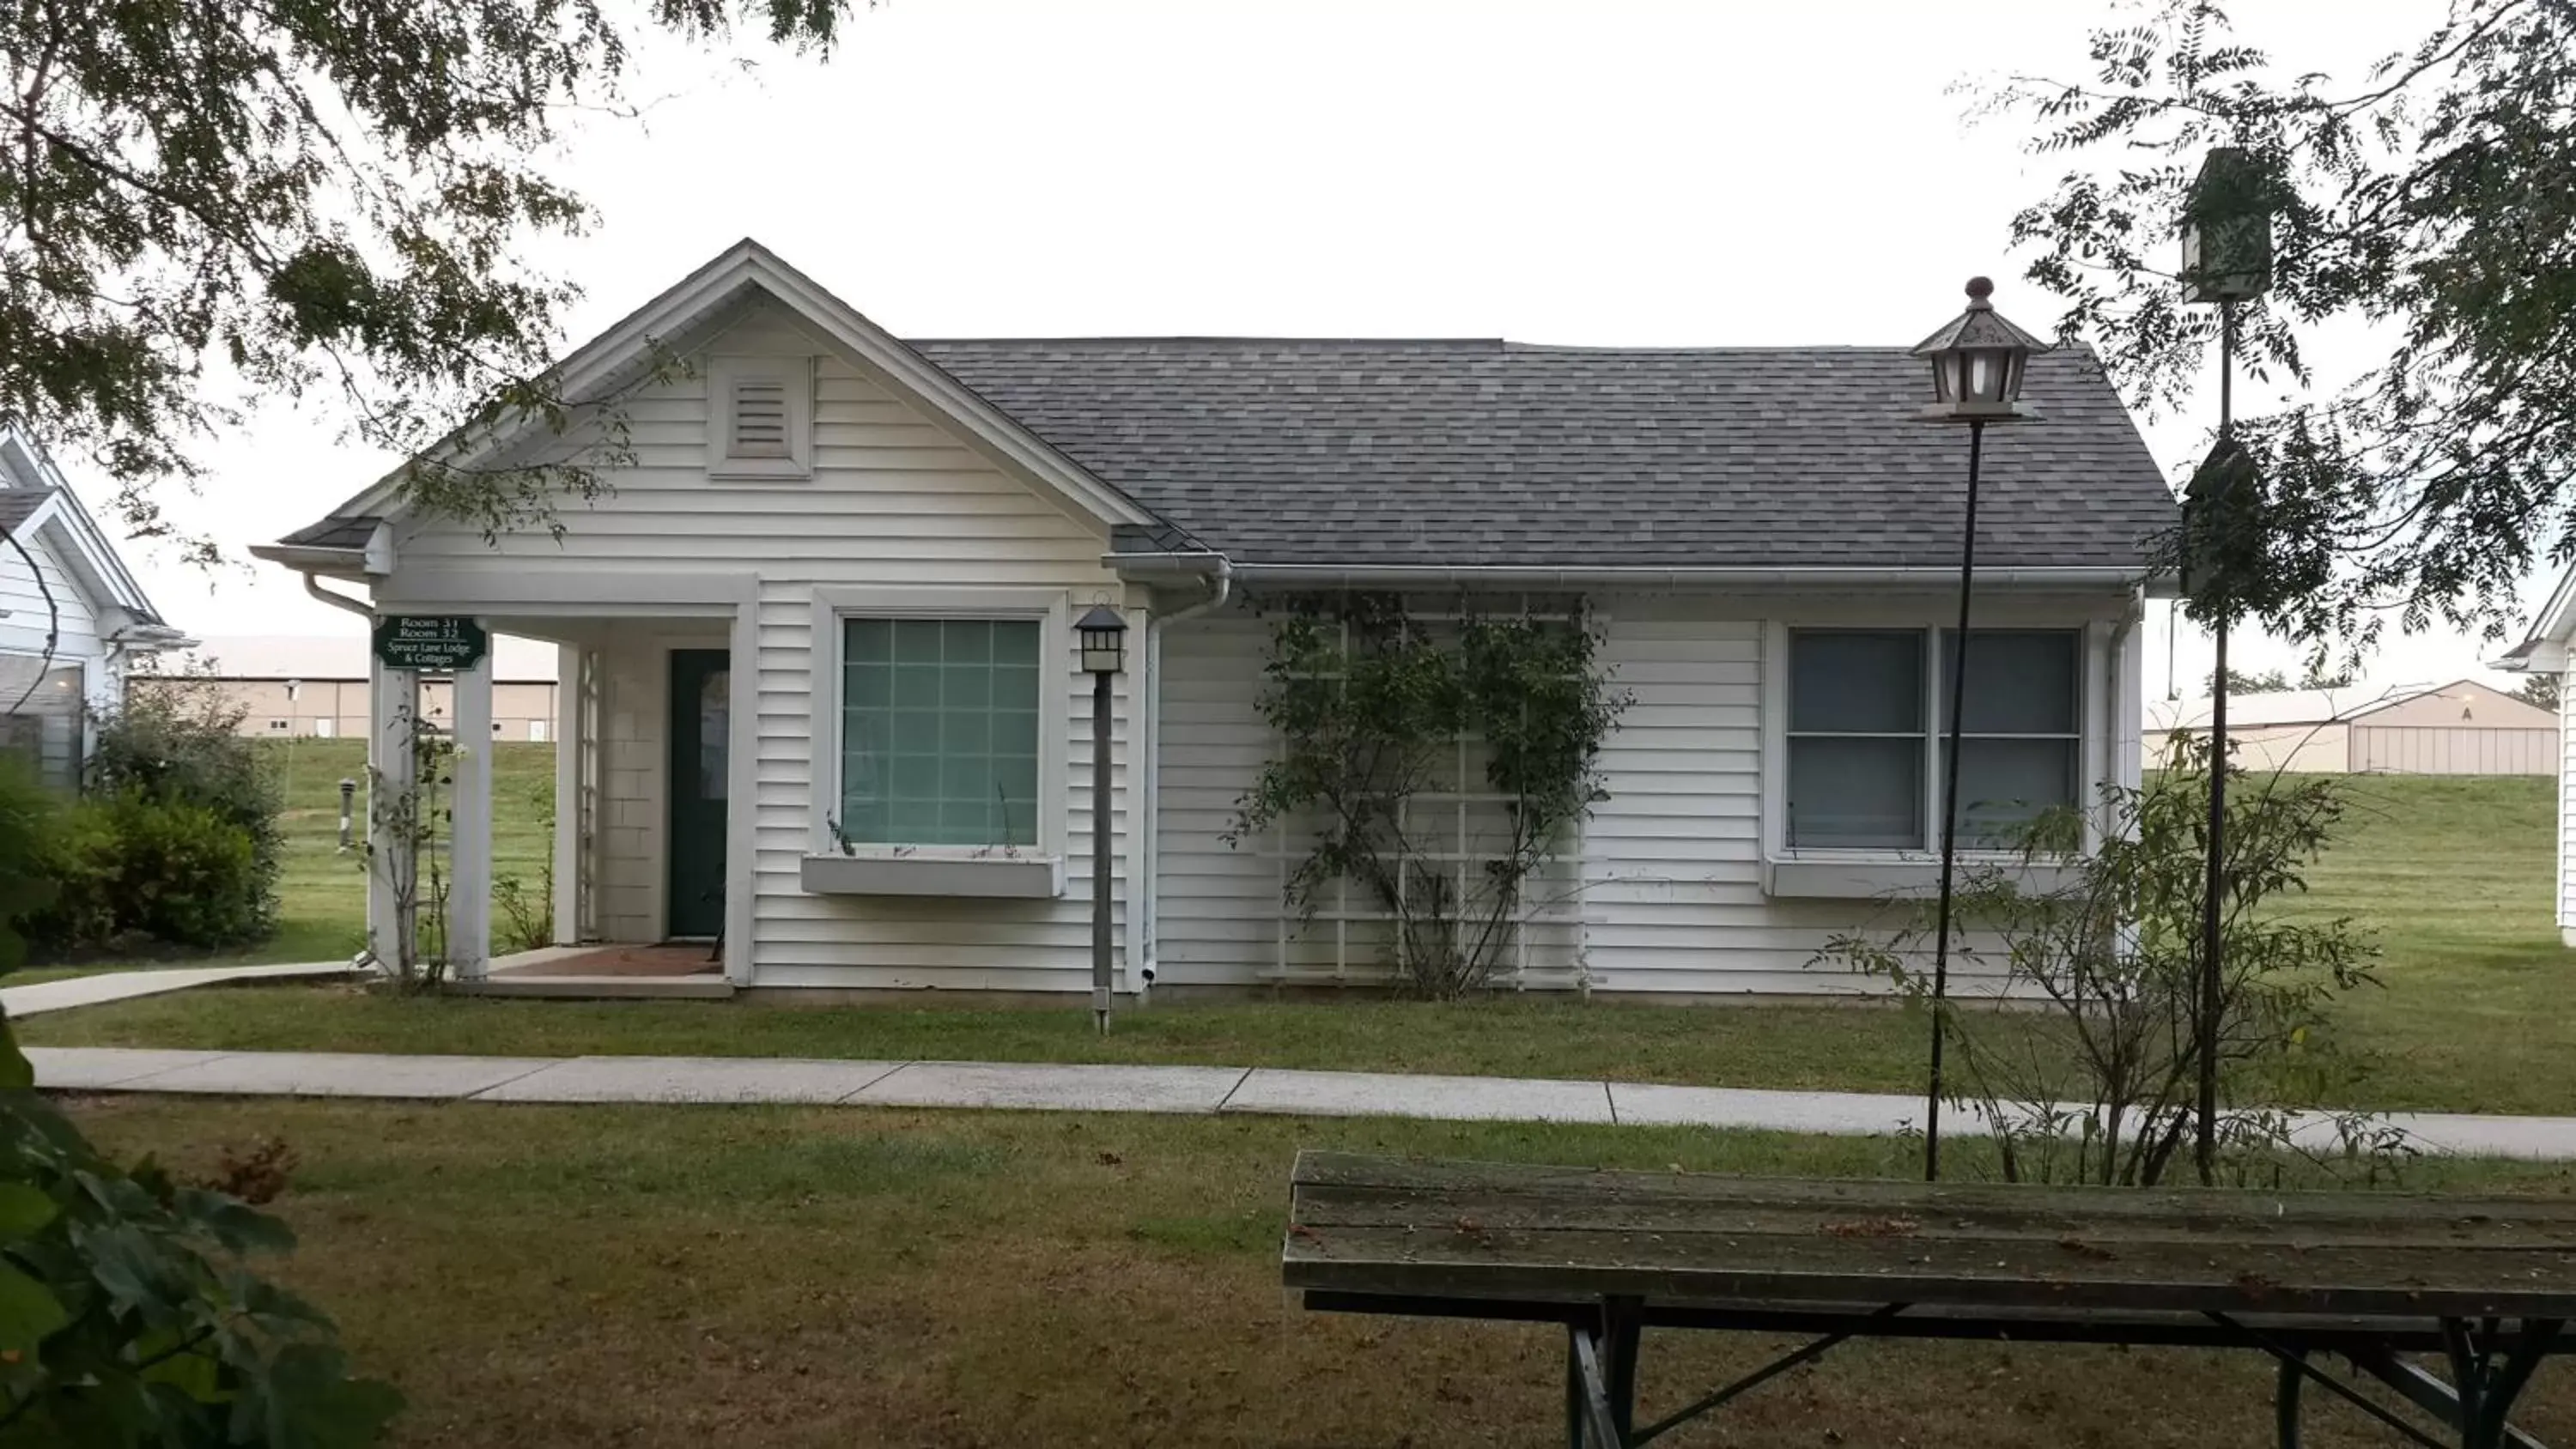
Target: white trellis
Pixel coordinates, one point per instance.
(1351, 940)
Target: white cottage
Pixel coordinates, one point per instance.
(822, 700)
(72, 618)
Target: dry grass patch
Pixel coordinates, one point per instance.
(645, 1277)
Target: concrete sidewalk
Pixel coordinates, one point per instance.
(109, 986)
(1049, 1087)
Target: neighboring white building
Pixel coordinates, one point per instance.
(2460, 728)
(833, 594)
(72, 619)
(298, 686)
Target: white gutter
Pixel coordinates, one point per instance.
(313, 586)
(1643, 576)
(1149, 743)
(306, 560)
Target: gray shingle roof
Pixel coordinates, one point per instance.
(17, 505)
(333, 533)
(1478, 452)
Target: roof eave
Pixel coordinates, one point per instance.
(1517, 576)
(344, 563)
(746, 265)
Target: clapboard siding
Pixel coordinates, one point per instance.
(22, 604)
(895, 499)
(1671, 897)
(2567, 807)
(1217, 909)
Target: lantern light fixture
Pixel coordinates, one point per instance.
(1104, 640)
(1978, 363)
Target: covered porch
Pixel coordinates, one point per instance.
(650, 858)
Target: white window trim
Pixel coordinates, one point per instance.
(1050, 607)
(1867, 871)
(797, 373)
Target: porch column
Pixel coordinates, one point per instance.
(572, 742)
(469, 901)
(393, 707)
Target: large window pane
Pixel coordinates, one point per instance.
(2005, 784)
(939, 731)
(2020, 682)
(1850, 682)
(1856, 793)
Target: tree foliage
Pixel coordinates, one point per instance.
(2434, 200)
(2270, 681)
(2540, 691)
(209, 203)
(2100, 1084)
(127, 1317)
(1374, 710)
(127, 1314)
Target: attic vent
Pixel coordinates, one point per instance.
(760, 418)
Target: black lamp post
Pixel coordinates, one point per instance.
(2226, 259)
(1978, 361)
(1104, 652)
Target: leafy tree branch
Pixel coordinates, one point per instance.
(206, 204)
(2435, 203)
(1385, 724)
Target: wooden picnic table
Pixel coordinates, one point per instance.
(2488, 1283)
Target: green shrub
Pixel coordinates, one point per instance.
(30, 821)
(184, 795)
(130, 870)
(128, 1314)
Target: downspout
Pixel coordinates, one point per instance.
(313, 586)
(1150, 764)
(2119, 747)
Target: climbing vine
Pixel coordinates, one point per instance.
(413, 825)
(1375, 707)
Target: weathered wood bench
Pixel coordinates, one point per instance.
(2488, 1283)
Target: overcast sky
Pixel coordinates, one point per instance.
(1594, 172)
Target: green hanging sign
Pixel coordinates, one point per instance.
(430, 643)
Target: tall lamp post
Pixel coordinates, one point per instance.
(2226, 259)
(1104, 652)
(1978, 361)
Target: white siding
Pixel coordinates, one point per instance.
(2567, 807)
(58, 714)
(895, 499)
(1671, 900)
(1217, 906)
(1673, 859)
(22, 630)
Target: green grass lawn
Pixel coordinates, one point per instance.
(322, 892)
(668, 1278)
(2457, 877)
(2453, 874)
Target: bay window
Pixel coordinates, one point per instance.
(1867, 735)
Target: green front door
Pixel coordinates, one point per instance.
(701, 764)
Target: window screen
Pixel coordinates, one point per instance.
(1868, 719)
(1856, 736)
(2019, 756)
(939, 731)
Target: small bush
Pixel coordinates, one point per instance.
(178, 744)
(29, 824)
(129, 869)
(177, 842)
